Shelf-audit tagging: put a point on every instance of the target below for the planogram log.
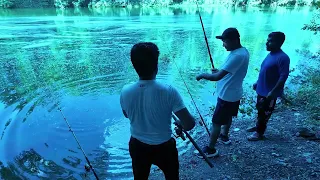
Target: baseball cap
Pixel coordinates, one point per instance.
(230, 33)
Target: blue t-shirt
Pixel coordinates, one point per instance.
(275, 67)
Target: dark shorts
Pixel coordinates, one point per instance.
(225, 111)
(164, 155)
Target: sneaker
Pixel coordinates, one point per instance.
(208, 152)
(255, 137)
(252, 129)
(224, 139)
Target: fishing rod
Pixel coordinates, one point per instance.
(87, 166)
(205, 36)
(179, 131)
(202, 121)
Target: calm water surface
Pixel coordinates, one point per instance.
(79, 60)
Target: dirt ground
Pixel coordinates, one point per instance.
(283, 154)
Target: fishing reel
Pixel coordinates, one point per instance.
(87, 168)
(179, 132)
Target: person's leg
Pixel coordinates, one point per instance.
(264, 116)
(216, 129)
(218, 119)
(224, 135)
(226, 128)
(261, 116)
(210, 150)
(259, 103)
(265, 108)
(232, 108)
(259, 106)
(140, 155)
(166, 158)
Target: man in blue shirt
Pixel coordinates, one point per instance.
(272, 77)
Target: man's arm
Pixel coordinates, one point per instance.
(273, 93)
(179, 109)
(279, 85)
(186, 119)
(284, 64)
(216, 76)
(232, 64)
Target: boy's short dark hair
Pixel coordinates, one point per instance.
(144, 57)
(280, 37)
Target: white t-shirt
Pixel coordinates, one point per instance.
(229, 88)
(149, 106)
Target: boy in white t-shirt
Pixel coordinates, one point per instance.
(229, 88)
(149, 105)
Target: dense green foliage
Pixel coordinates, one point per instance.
(6, 3)
(314, 25)
(100, 3)
(311, 87)
(306, 95)
(124, 3)
(69, 3)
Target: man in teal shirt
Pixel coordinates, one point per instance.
(272, 77)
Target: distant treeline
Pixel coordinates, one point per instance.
(124, 3)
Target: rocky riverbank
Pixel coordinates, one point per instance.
(291, 149)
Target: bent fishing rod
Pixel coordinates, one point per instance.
(205, 36)
(75, 137)
(88, 166)
(179, 128)
(194, 103)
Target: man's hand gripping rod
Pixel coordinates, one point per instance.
(179, 131)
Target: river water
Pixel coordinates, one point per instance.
(79, 60)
